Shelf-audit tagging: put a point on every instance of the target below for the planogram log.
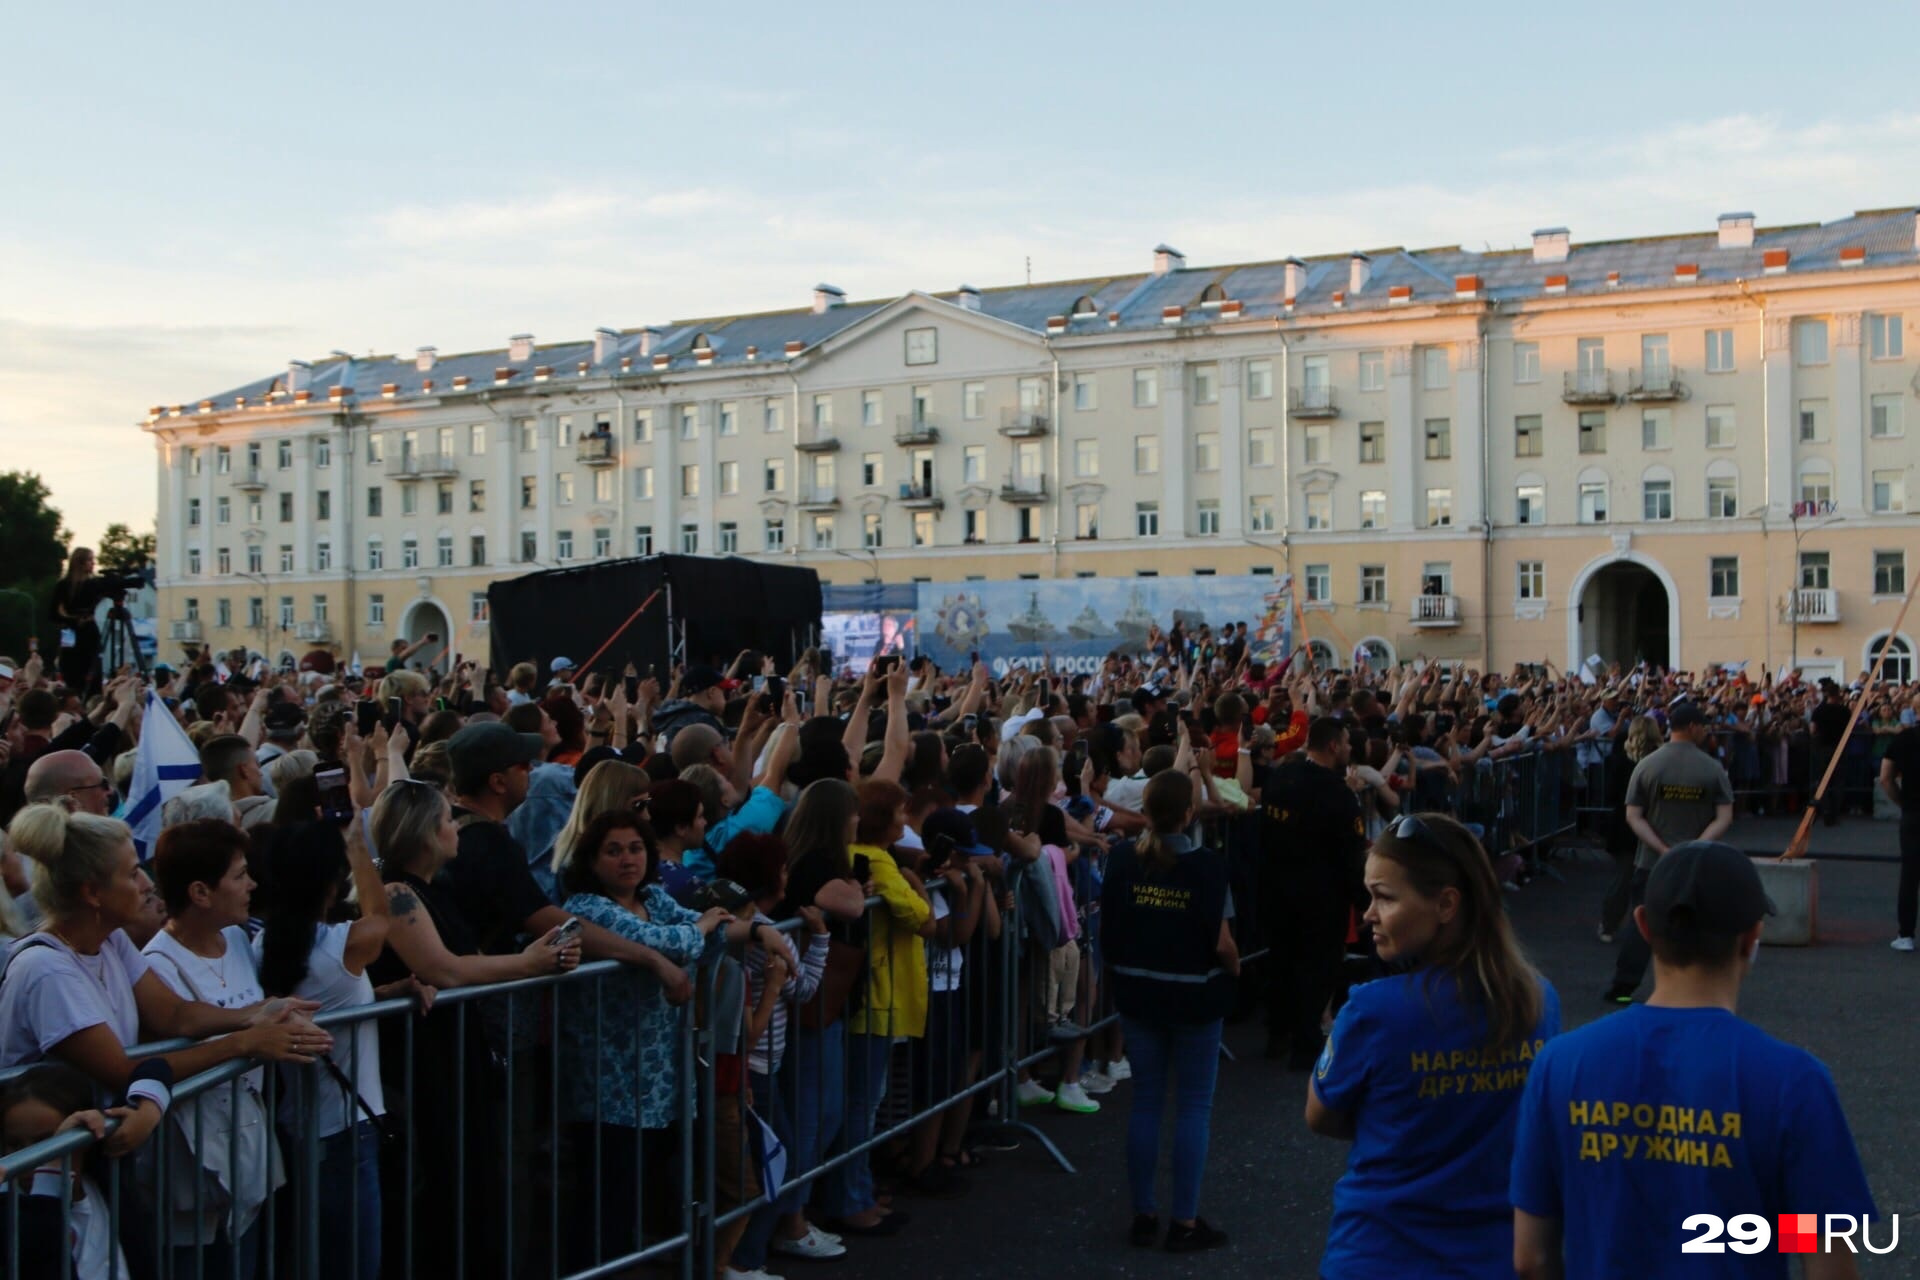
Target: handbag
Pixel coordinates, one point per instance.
(845, 963)
(381, 1124)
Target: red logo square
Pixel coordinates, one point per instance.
(1799, 1233)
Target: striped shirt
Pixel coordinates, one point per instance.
(803, 981)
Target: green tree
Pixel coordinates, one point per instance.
(120, 551)
(33, 536)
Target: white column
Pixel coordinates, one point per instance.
(1469, 505)
(504, 500)
(1403, 439)
(1176, 457)
(546, 484)
(1233, 450)
(709, 455)
(1849, 429)
(303, 486)
(666, 479)
(1778, 337)
(173, 457)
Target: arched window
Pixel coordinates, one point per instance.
(1816, 487)
(1086, 306)
(1323, 655)
(1899, 662)
(1723, 490)
(1213, 295)
(1379, 653)
(1656, 493)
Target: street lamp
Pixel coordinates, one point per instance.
(871, 558)
(1794, 515)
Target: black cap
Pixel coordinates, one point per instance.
(699, 680)
(1684, 715)
(484, 749)
(285, 717)
(1704, 886)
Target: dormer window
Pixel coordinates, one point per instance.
(1213, 296)
(1085, 306)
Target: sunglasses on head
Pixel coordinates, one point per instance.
(1409, 827)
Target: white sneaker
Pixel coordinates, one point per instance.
(1097, 1082)
(1072, 1097)
(1119, 1069)
(757, 1274)
(1903, 944)
(1032, 1093)
(815, 1244)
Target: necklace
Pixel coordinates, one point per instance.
(213, 967)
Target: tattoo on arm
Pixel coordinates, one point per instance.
(402, 901)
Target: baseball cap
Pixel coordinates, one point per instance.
(491, 748)
(563, 664)
(1684, 715)
(1704, 886)
(284, 717)
(955, 826)
(701, 679)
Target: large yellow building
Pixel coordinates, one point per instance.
(1690, 449)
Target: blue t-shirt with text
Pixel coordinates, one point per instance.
(1635, 1122)
(1425, 1192)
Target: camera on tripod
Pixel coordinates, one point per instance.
(114, 586)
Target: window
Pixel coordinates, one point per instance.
(643, 540)
(409, 552)
(223, 459)
(376, 555)
(973, 401)
(923, 529)
(563, 489)
(689, 539)
(1433, 368)
(1723, 497)
(1530, 504)
(283, 454)
(193, 561)
(1373, 584)
(871, 534)
(1889, 491)
(191, 606)
(823, 471)
(1816, 570)
(1439, 438)
(1146, 519)
(1656, 429)
(774, 534)
(1262, 515)
(323, 504)
(528, 432)
(562, 431)
(1530, 580)
(1656, 499)
(1146, 455)
(1146, 388)
(253, 510)
(603, 483)
(529, 493)
(1373, 442)
(774, 417)
(1436, 578)
(322, 557)
(690, 480)
(529, 546)
(1206, 383)
(443, 499)
(443, 551)
(477, 549)
(1810, 341)
(254, 563)
(1593, 502)
(477, 439)
(1723, 577)
(923, 346)
(1319, 511)
(285, 612)
(319, 608)
(1439, 508)
(409, 500)
(1720, 426)
(1086, 392)
(1816, 487)
(689, 423)
(1373, 509)
(1207, 517)
(193, 461)
(823, 533)
(1897, 664)
(563, 544)
(253, 457)
(1526, 436)
(1259, 379)
(1593, 432)
(823, 414)
(1885, 422)
(1206, 451)
(729, 477)
(193, 513)
(374, 504)
(286, 559)
(973, 464)
(1086, 458)
(223, 612)
(729, 418)
(1319, 584)
(1890, 573)
(1526, 362)
(1026, 524)
(871, 408)
(1373, 371)
(256, 612)
(223, 511)
(1719, 351)
(973, 526)
(870, 470)
(1885, 339)
(1813, 421)
(478, 610)
(1656, 361)
(1316, 443)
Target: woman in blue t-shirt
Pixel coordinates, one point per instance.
(1424, 1069)
(1171, 962)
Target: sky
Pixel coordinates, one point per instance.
(191, 196)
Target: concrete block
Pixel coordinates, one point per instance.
(1794, 887)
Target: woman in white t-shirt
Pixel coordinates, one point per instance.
(204, 954)
(309, 868)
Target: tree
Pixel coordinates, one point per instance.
(33, 536)
(121, 552)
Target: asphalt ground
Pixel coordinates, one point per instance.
(1849, 999)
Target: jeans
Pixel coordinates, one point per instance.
(350, 1204)
(1187, 1055)
(848, 1190)
(1909, 871)
(1630, 962)
(751, 1253)
(818, 1061)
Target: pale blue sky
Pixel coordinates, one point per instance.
(191, 197)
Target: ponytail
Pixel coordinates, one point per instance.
(1167, 802)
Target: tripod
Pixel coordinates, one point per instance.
(121, 647)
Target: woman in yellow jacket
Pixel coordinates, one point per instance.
(893, 999)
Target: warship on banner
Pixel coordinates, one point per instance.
(1135, 622)
(1088, 626)
(1033, 625)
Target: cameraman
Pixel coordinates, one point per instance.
(74, 598)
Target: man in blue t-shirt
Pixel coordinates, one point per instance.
(1632, 1125)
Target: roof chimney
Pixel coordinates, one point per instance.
(1774, 261)
(1294, 277)
(1359, 271)
(968, 299)
(423, 357)
(604, 343)
(1736, 231)
(1550, 244)
(1167, 259)
(520, 348)
(299, 376)
(826, 296)
(1916, 229)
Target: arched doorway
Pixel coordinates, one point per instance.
(1624, 609)
(424, 618)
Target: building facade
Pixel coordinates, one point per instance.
(1687, 449)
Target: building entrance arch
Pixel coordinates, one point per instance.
(424, 617)
(1625, 608)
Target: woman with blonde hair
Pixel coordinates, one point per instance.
(610, 786)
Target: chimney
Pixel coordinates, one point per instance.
(795, 347)
(649, 336)
(388, 390)
(1056, 324)
(1172, 315)
(299, 376)
(1295, 277)
(1736, 231)
(423, 358)
(1551, 244)
(1359, 271)
(1167, 259)
(1231, 309)
(1686, 273)
(1774, 261)
(520, 348)
(502, 374)
(1466, 288)
(1854, 255)
(1556, 284)
(542, 372)
(753, 352)
(1399, 295)
(604, 343)
(968, 299)
(826, 297)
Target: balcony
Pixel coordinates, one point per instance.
(1311, 402)
(1436, 611)
(319, 631)
(1811, 604)
(1652, 386)
(250, 479)
(1588, 386)
(915, 428)
(187, 629)
(426, 466)
(921, 497)
(1024, 491)
(828, 443)
(597, 451)
(1023, 424)
(818, 500)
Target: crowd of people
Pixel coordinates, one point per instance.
(872, 882)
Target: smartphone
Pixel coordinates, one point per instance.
(940, 851)
(862, 867)
(394, 711)
(336, 801)
(633, 689)
(973, 657)
(776, 691)
(885, 663)
(759, 684)
(367, 716)
(441, 704)
(968, 723)
(566, 933)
